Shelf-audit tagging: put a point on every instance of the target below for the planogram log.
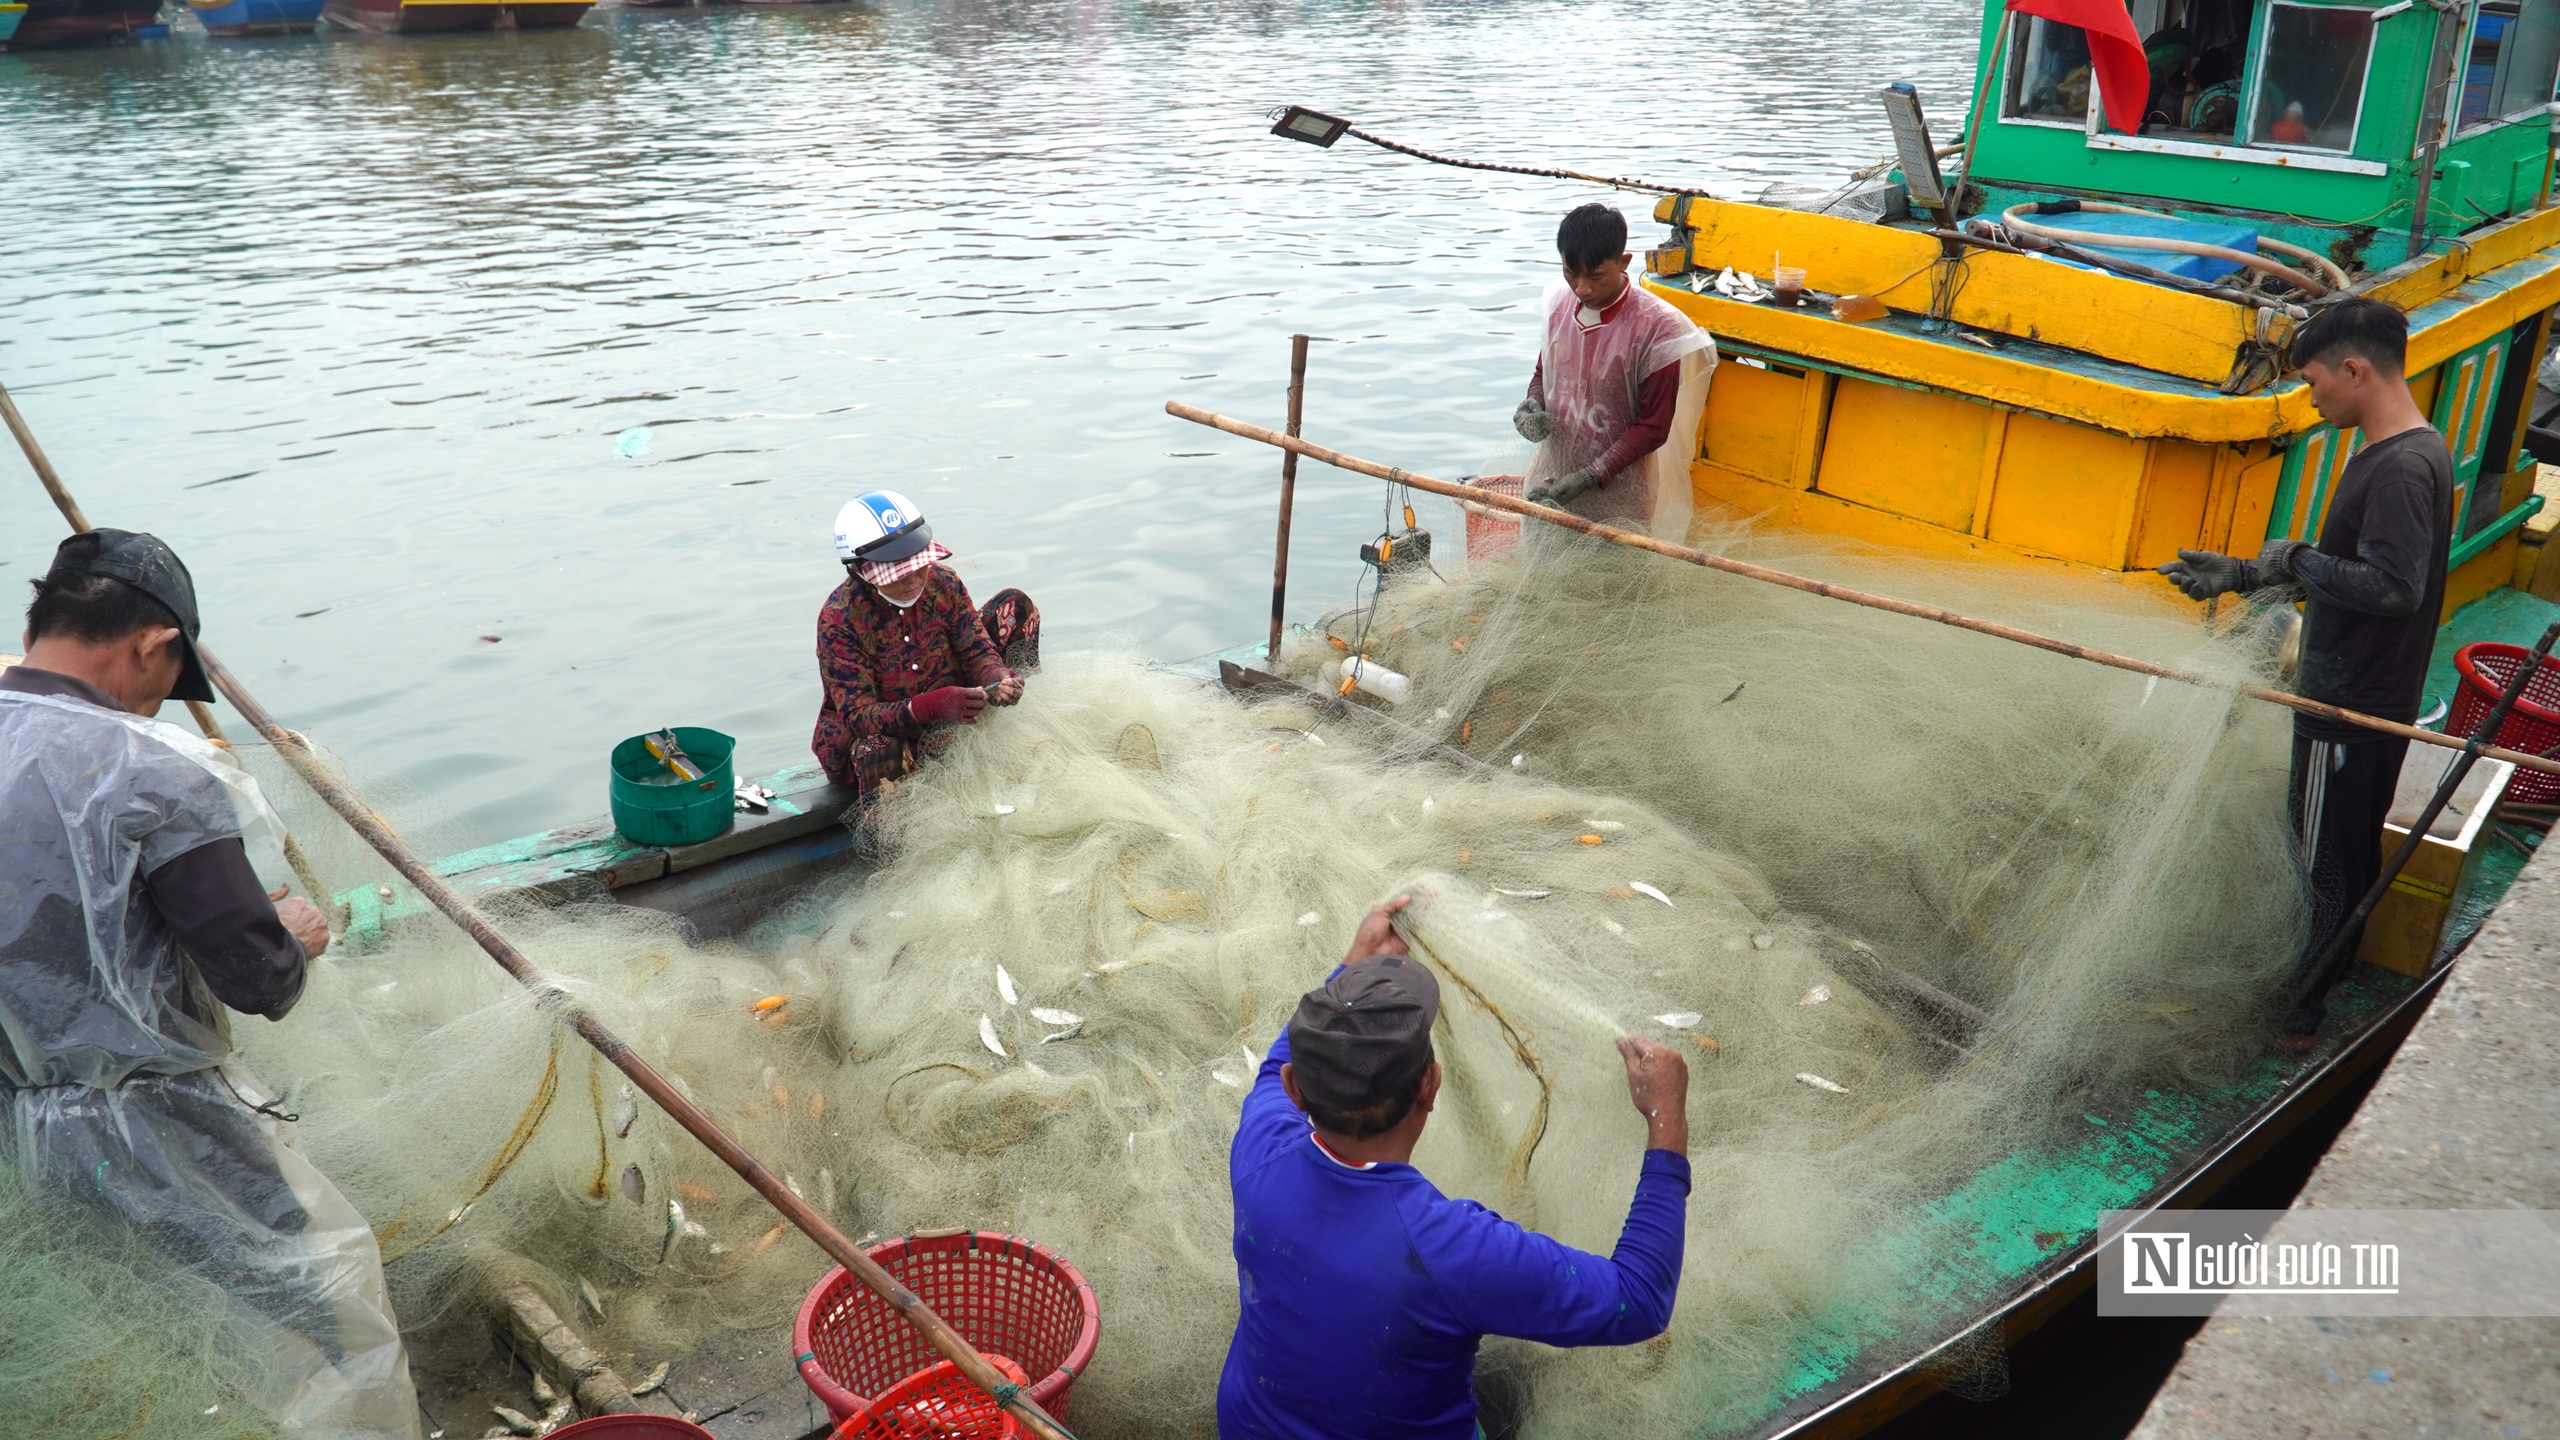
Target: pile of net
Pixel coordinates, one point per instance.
(1910, 901)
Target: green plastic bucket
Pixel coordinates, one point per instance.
(678, 812)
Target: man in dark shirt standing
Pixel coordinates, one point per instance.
(2374, 587)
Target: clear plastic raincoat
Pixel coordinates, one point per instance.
(1590, 373)
(116, 1090)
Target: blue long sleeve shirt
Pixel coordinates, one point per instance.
(1366, 1291)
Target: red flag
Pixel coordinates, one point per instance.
(2115, 52)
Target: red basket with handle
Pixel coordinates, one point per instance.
(1491, 531)
(2485, 669)
(1004, 1294)
(936, 1404)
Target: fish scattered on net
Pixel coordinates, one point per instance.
(1040, 1014)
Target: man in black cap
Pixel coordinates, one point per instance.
(131, 915)
(1364, 1290)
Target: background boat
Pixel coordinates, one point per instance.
(409, 17)
(81, 22)
(231, 19)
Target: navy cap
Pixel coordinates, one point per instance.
(1364, 1036)
(150, 566)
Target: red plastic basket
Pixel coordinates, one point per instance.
(2486, 668)
(632, 1427)
(1004, 1294)
(1491, 531)
(936, 1404)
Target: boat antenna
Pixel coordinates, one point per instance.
(1313, 127)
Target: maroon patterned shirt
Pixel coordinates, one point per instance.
(874, 657)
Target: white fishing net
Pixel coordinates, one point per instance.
(1771, 828)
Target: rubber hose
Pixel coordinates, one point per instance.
(2012, 217)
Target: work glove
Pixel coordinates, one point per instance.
(957, 704)
(2275, 563)
(1532, 421)
(2202, 574)
(1564, 489)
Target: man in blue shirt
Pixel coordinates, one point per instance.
(1365, 1290)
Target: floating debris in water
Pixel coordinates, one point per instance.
(987, 1033)
(653, 1380)
(1004, 986)
(1678, 1019)
(1649, 892)
(1818, 1083)
(631, 444)
(1047, 1016)
(1816, 995)
(635, 1188)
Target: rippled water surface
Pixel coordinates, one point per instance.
(356, 322)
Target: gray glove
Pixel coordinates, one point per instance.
(1564, 489)
(2203, 574)
(1532, 421)
(2275, 565)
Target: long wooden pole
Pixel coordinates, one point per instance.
(1288, 489)
(549, 996)
(1828, 590)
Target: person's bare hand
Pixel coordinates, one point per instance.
(1376, 935)
(1658, 1081)
(1005, 691)
(302, 920)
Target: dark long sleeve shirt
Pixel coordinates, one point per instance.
(1365, 1291)
(873, 658)
(2376, 582)
(1657, 399)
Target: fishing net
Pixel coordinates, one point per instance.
(1910, 900)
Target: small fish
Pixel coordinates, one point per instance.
(1614, 928)
(625, 1115)
(769, 1004)
(781, 1097)
(1004, 986)
(1816, 995)
(1710, 1046)
(1034, 1067)
(1223, 1078)
(1619, 893)
(1311, 918)
(1004, 809)
(1589, 840)
(1048, 1016)
(1818, 1083)
(1649, 892)
(1109, 967)
(1466, 730)
(555, 1417)
(772, 1237)
(1460, 644)
(817, 1104)
(1730, 695)
(791, 1183)
(1069, 1033)
(635, 1187)
(698, 1194)
(652, 1380)
(1523, 894)
(1678, 1019)
(542, 1391)
(987, 1034)
(1517, 761)
(518, 1423)
(826, 1190)
(777, 1019)
(1426, 802)
(1763, 942)
(587, 1292)
(1466, 854)
(675, 1227)
(1605, 824)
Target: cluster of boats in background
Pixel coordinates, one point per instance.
(30, 24)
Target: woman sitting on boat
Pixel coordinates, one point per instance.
(902, 653)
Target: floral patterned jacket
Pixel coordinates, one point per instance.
(874, 657)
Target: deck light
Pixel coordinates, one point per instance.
(1919, 158)
(1300, 123)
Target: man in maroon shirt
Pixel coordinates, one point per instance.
(902, 653)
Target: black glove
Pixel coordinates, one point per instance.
(1564, 489)
(2275, 563)
(2202, 574)
(1532, 420)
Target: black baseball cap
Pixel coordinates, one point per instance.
(1364, 1036)
(150, 566)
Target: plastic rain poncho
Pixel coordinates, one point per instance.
(1590, 376)
(113, 1072)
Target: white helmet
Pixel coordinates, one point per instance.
(880, 526)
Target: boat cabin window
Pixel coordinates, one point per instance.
(2515, 47)
(2196, 48)
(2311, 77)
(2049, 75)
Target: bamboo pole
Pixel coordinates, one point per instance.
(549, 996)
(1828, 590)
(1288, 489)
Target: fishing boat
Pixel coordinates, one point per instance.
(10, 17)
(42, 23)
(411, 17)
(237, 19)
